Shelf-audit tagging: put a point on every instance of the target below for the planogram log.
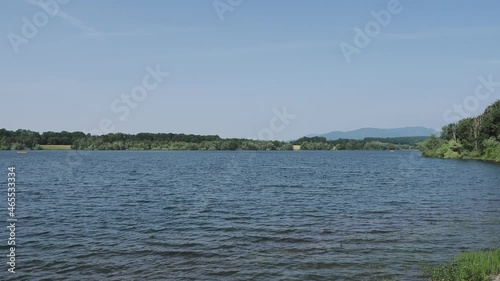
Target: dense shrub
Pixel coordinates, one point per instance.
(470, 138)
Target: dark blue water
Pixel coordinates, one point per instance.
(245, 215)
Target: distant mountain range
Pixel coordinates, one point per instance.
(379, 133)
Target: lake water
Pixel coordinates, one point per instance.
(346, 215)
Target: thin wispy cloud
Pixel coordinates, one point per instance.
(438, 33)
(75, 22)
(116, 34)
(395, 36)
(276, 47)
(150, 31)
(430, 33)
(67, 18)
(492, 62)
(86, 29)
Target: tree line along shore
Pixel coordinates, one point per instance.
(30, 140)
(470, 138)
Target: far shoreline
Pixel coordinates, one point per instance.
(333, 150)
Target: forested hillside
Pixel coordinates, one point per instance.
(470, 138)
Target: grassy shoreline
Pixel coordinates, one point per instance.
(468, 266)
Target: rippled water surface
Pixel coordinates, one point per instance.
(245, 215)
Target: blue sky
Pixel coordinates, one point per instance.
(226, 75)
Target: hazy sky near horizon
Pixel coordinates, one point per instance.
(228, 75)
